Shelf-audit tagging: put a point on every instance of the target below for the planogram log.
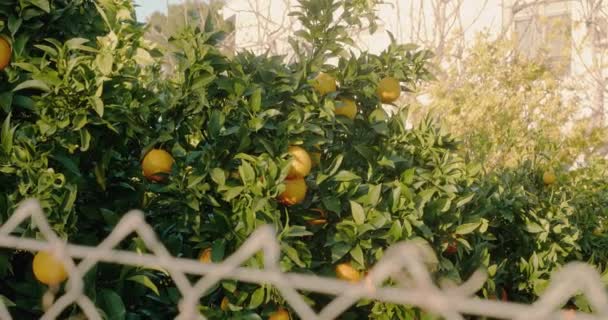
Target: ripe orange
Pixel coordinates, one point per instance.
(452, 247)
(280, 314)
(300, 163)
(324, 83)
(224, 304)
(205, 256)
(348, 108)
(388, 90)
(549, 177)
(47, 269)
(5, 53)
(295, 192)
(157, 161)
(346, 272)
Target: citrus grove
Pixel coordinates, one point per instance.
(220, 145)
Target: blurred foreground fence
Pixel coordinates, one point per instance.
(403, 263)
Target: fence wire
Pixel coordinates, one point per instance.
(418, 289)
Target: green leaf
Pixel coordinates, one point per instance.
(338, 251)
(332, 204)
(297, 231)
(85, 139)
(42, 4)
(192, 202)
(111, 303)
(98, 105)
(6, 101)
(466, 199)
(7, 134)
(256, 298)
(374, 194)
(292, 253)
(467, 228)
(255, 102)
(202, 81)
(407, 177)
(344, 176)
(146, 282)
(14, 23)
(104, 62)
(7, 302)
(492, 270)
(533, 227)
(32, 84)
(229, 285)
(357, 255)
(79, 122)
(232, 193)
(357, 212)
(218, 176)
(218, 250)
(335, 165)
(246, 172)
(78, 43)
(215, 123)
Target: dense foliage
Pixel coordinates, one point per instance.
(504, 107)
(84, 100)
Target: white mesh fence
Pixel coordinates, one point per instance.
(417, 289)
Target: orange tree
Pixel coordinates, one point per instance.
(537, 225)
(84, 102)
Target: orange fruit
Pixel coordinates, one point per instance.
(5, 53)
(295, 192)
(205, 256)
(280, 314)
(388, 90)
(300, 164)
(157, 161)
(346, 272)
(224, 304)
(47, 269)
(324, 83)
(452, 247)
(347, 108)
(549, 178)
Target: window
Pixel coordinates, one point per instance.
(547, 37)
(558, 40)
(528, 35)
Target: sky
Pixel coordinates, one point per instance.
(146, 7)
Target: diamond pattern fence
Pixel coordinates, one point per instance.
(403, 263)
